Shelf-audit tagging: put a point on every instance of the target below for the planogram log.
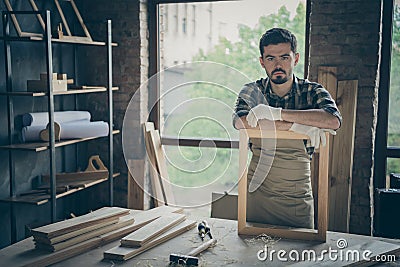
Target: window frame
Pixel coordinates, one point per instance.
(154, 68)
(381, 155)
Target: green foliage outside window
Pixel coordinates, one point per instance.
(394, 99)
(242, 55)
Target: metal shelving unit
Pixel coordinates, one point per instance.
(48, 92)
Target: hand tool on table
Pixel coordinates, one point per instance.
(190, 258)
(202, 230)
(207, 229)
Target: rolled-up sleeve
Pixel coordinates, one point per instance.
(323, 100)
(245, 101)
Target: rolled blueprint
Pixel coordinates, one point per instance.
(69, 130)
(42, 118)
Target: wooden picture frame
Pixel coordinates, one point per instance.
(245, 228)
(16, 23)
(69, 36)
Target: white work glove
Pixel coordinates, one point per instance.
(316, 134)
(262, 111)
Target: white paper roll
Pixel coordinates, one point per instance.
(69, 130)
(42, 118)
(83, 129)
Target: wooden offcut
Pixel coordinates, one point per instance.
(292, 233)
(342, 158)
(135, 184)
(63, 227)
(125, 253)
(156, 184)
(162, 167)
(341, 148)
(152, 230)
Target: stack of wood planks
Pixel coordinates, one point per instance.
(60, 235)
(62, 240)
(158, 231)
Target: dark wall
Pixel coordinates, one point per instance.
(28, 61)
(346, 34)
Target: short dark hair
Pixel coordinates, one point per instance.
(278, 36)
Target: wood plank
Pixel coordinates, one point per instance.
(152, 230)
(156, 185)
(126, 253)
(342, 158)
(73, 234)
(63, 227)
(123, 222)
(162, 167)
(136, 184)
(323, 171)
(28, 256)
(327, 77)
(242, 185)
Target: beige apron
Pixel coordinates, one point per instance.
(285, 195)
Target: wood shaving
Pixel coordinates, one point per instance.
(264, 238)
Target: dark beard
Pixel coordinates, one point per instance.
(279, 80)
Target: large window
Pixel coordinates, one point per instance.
(202, 64)
(393, 141)
(387, 146)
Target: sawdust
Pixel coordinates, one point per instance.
(264, 238)
(229, 261)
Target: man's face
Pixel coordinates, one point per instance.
(278, 61)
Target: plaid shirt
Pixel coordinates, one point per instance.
(303, 95)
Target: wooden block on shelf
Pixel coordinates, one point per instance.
(41, 86)
(152, 230)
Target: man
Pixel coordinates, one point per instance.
(284, 196)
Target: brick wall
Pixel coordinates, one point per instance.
(346, 34)
(130, 68)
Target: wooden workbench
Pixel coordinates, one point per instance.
(231, 249)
